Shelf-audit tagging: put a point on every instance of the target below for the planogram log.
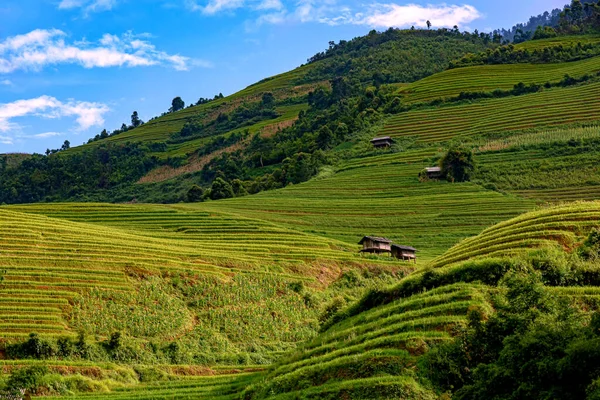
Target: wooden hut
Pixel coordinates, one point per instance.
(382, 142)
(434, 172)
(376, 245)
(405, 253)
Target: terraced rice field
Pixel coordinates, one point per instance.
(566, 226)
(374, 349)
(543, 110)
(487, 78)
(565, 41)
(540, 137)
(200, 237)
(222, 387)
(380, 196)
(553, 166)
(49, 260)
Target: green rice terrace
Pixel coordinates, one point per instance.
(245, 279)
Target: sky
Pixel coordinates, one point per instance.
(70, 68)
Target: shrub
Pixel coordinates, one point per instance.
(458, 164)
(194, 194)
(221, 189)
(27, 379)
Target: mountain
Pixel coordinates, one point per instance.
(254, 286)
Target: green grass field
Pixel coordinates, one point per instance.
(550, 108)
(566, 226)
(488, 78)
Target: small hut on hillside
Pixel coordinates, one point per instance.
(376, 245)
(382, 142)
(405, 253)
(434, 172)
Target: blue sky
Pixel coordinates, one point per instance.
(69, 68)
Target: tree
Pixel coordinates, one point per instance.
(458, 164)
(221, 189)
(428, 24)
(268, 100)
(103, 134)
(238, 188)
(544, 32)
(194, 194)
(177, 104)
(135, 120)
(66, 145)
(325, 137)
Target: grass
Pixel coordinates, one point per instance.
(566, 226)
(380, 196)
(160, 129)
(554, 166)
(487, 78)
(543, 110)
(383, 341)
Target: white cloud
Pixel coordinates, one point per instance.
(6, 82)
(270, 5)
(88, 6)
(333, 12)
(39, 48)
(86, 114)
(46, 135)
(386, 15)
(213, 7)
(6, 140)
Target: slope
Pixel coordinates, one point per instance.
(373, 348)
(488, 78)
(560, 106)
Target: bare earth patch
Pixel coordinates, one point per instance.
(272, 129)
(195, 164)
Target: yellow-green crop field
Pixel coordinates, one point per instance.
(543, 110)
(488, 78)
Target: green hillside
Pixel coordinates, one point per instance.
(248, 281)
(488, 78)
(541, 110)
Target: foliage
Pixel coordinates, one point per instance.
(47, 178)
(521, 32)
(395, 53)
(177, 104)
(545, 32)
(533, 347)
(27, 379)
(458, 164)
(221, 189)
(194, 194)
(511, 54)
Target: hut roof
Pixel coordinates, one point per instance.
(381, 139)
(433, 169)
(408, 248)
(375, 239)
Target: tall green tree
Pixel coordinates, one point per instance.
(194, 194)
(135, 120)
(458, 164)
(221, 189)
(177, 104)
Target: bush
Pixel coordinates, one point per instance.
(458, 164)
(221, 189)
(27, 379)
(194, 194)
